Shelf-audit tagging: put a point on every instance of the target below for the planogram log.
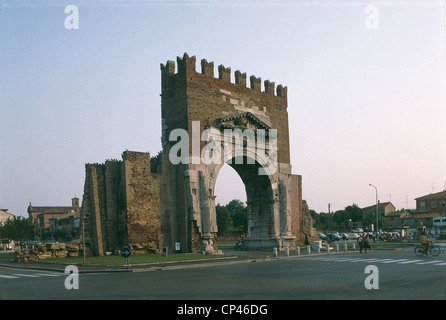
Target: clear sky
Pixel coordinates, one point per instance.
(366, 90)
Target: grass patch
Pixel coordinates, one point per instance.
(226, 245)
(6, 256)
(134, 259)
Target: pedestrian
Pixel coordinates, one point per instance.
(366, 241)
(360, 243)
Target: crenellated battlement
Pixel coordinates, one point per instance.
(187, 65)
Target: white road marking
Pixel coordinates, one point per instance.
(384, 261)
(393, 261)
(410, 261)
(25, 275)
(49, 274)
(429, 262)
(8, 277)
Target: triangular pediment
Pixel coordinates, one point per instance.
(245, 120)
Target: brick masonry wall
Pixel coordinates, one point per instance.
(192, 96)
(302, 222)
(120, 205)
(142, 202)
(92, 203)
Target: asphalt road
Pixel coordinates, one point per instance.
(399, 274)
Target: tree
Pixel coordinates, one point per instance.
(232, 217)
(355, 212)
(224, 220)
(339, 219)
(17, 229)
(239, 215)
(342, 217)
(320, 220)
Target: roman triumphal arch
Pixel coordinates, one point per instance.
(210, 120)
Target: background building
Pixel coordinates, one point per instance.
(56, 222)
(5, 243)
(432, 203)
(385, 209)
(4, 215)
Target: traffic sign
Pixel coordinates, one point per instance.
(125, 252)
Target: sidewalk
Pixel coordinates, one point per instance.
(231, 256)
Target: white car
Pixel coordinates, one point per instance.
(353, 236)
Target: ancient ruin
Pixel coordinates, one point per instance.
(148, 203)
(44, 251)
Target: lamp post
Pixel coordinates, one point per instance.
(376, 192)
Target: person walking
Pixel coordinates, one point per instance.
(360, 242)
(366, 241)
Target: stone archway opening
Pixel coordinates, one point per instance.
(229, 186)
(261, 230)
(231, 217)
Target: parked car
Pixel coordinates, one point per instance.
(334, 236)
(322, 236)
(345, 236)
(353, 236)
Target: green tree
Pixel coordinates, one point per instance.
(224, 220)
(239, 215)
(355, 212)
(340, 218)
(17, 229)
(322, 220)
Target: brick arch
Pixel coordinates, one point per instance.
(195, 102)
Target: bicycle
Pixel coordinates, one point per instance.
(432, 249)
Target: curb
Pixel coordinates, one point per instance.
(95, 268)
(168, 265)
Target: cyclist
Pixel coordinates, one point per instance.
(424, 242)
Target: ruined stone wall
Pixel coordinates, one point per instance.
(174, 217)
(92, 206)
(48, 251)
(141, 201)
(307, 224)
(120, 205)
(296, 206)
(114, 219)
(302, 222)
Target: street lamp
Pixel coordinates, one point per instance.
(376, 191)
